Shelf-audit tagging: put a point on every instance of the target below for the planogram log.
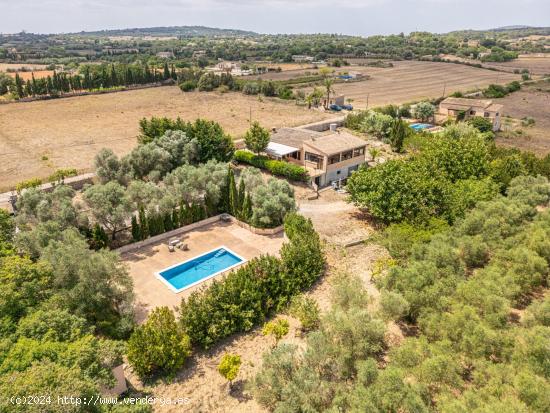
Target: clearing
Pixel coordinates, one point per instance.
(531, 101)
(410, 81)
(36, 138)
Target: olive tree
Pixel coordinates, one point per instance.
(423, 111)
(109, 205)
(271, 202)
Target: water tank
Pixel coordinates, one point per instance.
(333, 127)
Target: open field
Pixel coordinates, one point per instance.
(38, 137)
(16, 66)
(536, 65)
(531, 101)
(38, 74)
(414, 80)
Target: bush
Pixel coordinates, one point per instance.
(158, 346)
(29, 183)
(481, 124)
(277, 328)
(229, 366)
(61, 174)
(306, 310)
(188, 86)
(279, 168)
(251, 88)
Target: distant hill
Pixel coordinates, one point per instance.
(186, 31)
(513, 27)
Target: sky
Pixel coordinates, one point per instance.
(354, 17)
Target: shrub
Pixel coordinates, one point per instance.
(276, 328)
(158, 346)
(229, 366)
(251, 88)
(29, 183)
(279, 168)
(188, 85)
(481, 124)
(61, 174)
(306, 310)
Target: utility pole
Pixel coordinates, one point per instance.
(444, 87)
(368, 94)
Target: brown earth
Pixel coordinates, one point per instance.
(531, 101)
(36, 138)
(414, 80)
(536, 65)
(38, 74)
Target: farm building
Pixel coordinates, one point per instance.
(468, 108)
(298, 58)
(329, 158)
(165, 55)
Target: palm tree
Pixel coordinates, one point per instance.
(329, 90)
(374, 152)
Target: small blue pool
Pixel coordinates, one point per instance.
(420, 126)
(191, 272)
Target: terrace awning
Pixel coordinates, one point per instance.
(279, 150)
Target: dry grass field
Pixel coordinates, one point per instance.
(414, 80)
(531, 101)
(536, 65)
(16, 66)
(38, 74)
(38, 137)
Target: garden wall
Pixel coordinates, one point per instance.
(175, 232)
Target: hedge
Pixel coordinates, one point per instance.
(279, 168)
(247, 296)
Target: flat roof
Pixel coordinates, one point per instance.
(278, 149)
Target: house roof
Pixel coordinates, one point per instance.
(293, 137)
(495, 107)
(467, 103)
(335, 143)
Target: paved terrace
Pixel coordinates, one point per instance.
(144, 262)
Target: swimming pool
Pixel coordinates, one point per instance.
(420, 126)
(196, 270)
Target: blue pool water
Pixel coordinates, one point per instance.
(420, 126)
(200, 268)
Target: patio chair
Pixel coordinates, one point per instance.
(171, 248)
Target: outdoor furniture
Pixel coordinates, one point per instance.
(171, 248)
(225, 218)
(174, 242)
(182, 246)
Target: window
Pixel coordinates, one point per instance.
(347, 155)
(311, 157)
(472, 112)
(334, 159)
(358, 152)
(337, 172)
(486, 114)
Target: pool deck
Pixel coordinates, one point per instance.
(142, 264)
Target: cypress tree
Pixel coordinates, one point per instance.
(19, 86)
(144, 228)
(167, 222)
(241, 198)
(173, 74)
(175, 218)
(233, 194)
(99, 237)
(166, 71)
(136, 233)
(247, 208)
